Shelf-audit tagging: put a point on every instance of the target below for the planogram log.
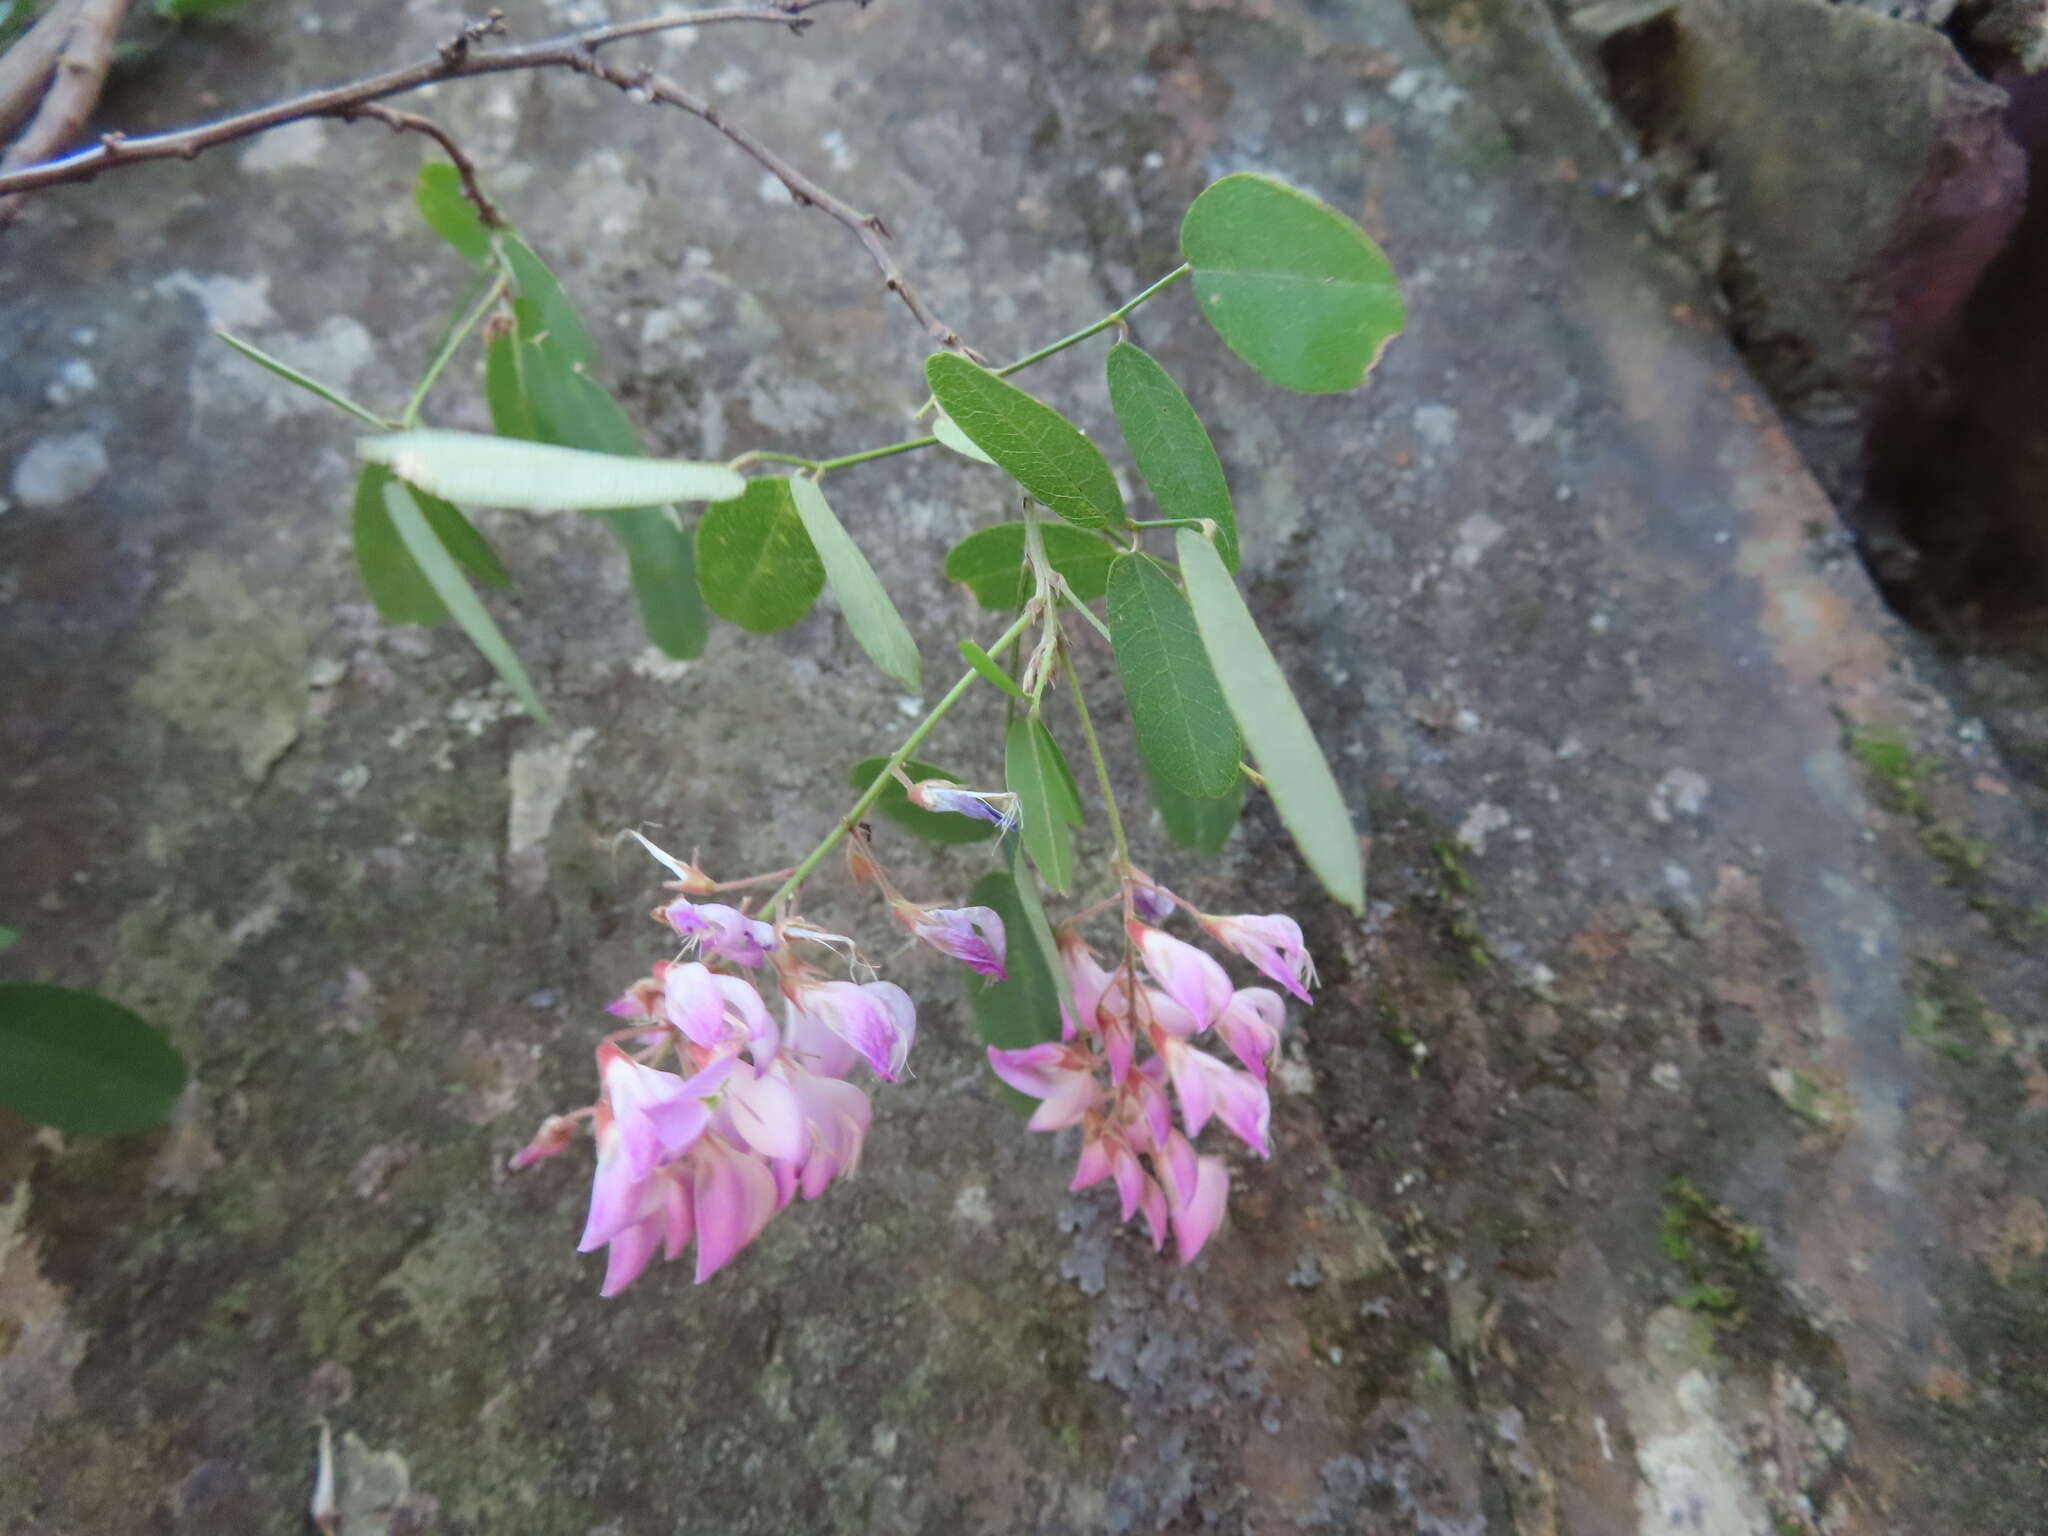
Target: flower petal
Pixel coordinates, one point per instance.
(766, 1113)
(1184, 973)
(1202, 1211)
(629, 1253)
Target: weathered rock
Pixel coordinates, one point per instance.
(1555, 588)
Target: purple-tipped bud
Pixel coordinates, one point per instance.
(971, 935)
(997, 807)
(1272, 943)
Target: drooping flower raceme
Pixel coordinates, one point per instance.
(1093, 1077)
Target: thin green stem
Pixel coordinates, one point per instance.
(456, 337)
(307, 382)
(1167, 522)
(764, 456)
(896, 761)
(1113, 318)
(909, 445)
(1116, 822)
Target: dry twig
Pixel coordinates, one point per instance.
(74, 89)
(25, 67)
(461, 58)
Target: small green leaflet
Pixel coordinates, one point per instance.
(663, 564)
(1203, 825)
(754, 559)
(947, 431)
(1025, 1008)
(985, 664)
(1292, 286)
(85, 1065)
(1184, 728)
(539, 477)
(990, 563)
(505, 391)
(894, 803)
(449, 214)
(1298, 779)
(390, 575)
(1042, 451)
(445, 577)
(1171, 445)
(1036, 771)
(555, 318)
(310, 385)
(863, 600)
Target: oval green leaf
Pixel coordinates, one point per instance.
(445, 577)
(1184, 728)
(539, 477)
(754, 559)
(505, 390)
(1303, 789)
(449, 214)
(1170, 445)
(894, 803)
(863, 601)
(83, 1064)
(990, 563)
(1036, 772)
(390, 574)
(1292, 286)
(1203, 825)
(1039, 448)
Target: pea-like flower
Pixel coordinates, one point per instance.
(1272, 943)
(971, 935)
(721, 931)
(997, 807)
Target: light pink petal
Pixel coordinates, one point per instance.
(972, 935)
(1118, 1048)
(1178, 1167)
(708, 1078)
(766, 1113)
(1241, 1104)
(1170, 1015)
(1130, 1181)
(1093, 1166)
(1085, 976)
(614, 1198)
(1072, 1097)
(902, 1017)
(1184, 973)
(630, 1251)
(677, 1124)
(1153, 1202)
(1273, 943)
(743, 1002)
(788, 1174)
(694, 1004)
(677, 1222)
(1191, 1085)
(1202, 1212)
(1036, 1070)
(819, 1050)
(734, 1195)
(1251, 1025)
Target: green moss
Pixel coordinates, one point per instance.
(1892, 764)
(1721, 1257)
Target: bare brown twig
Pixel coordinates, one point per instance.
(412, 122)
(460, 58)
(646, 85)
(25, 67)
(81, 69)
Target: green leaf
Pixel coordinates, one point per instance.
(446, 579)
(449, 214)
(1203, 825)
(539, 477)
(1292, 286)
(1171, 445)
(991, 563)
(863, 601)
(390, 575)
(1184, 729)
(1036, 771)
(1303, 789)
(754, 559)
(291, 375)
(664, 571)
(83, 1064)
(947, 431)
(1042, 451)
(894, 803)
(505, 390)
(567, 407)
(985, 664)
(1023, 1009)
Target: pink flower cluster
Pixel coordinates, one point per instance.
(753, 1111)
(1094, 1076)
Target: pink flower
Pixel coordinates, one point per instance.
(1272, 943)
(1250, 1026)
(836, 1119)
(662, 1215)
(1063, 1076)
(807, 1043)
(1184, 973)
(763, 1112)
(716, 1011)
(1088, 980)
(972, 935)
(1197, 1205)
(732, 1196)
(551, 1140)
(655, 1115)
(1205, 1087)
(722, 931)
(998, 807)
(877, 1019)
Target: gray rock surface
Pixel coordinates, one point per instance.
(1665, 1153)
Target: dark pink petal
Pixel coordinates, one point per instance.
(677, 1222)
(1201, 1212)
(614, 1199)
(630, 1251)
(1251, 1025)
(1093, 1166)
(733, 1195)
(1153, 1202)
(1130, 1180)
